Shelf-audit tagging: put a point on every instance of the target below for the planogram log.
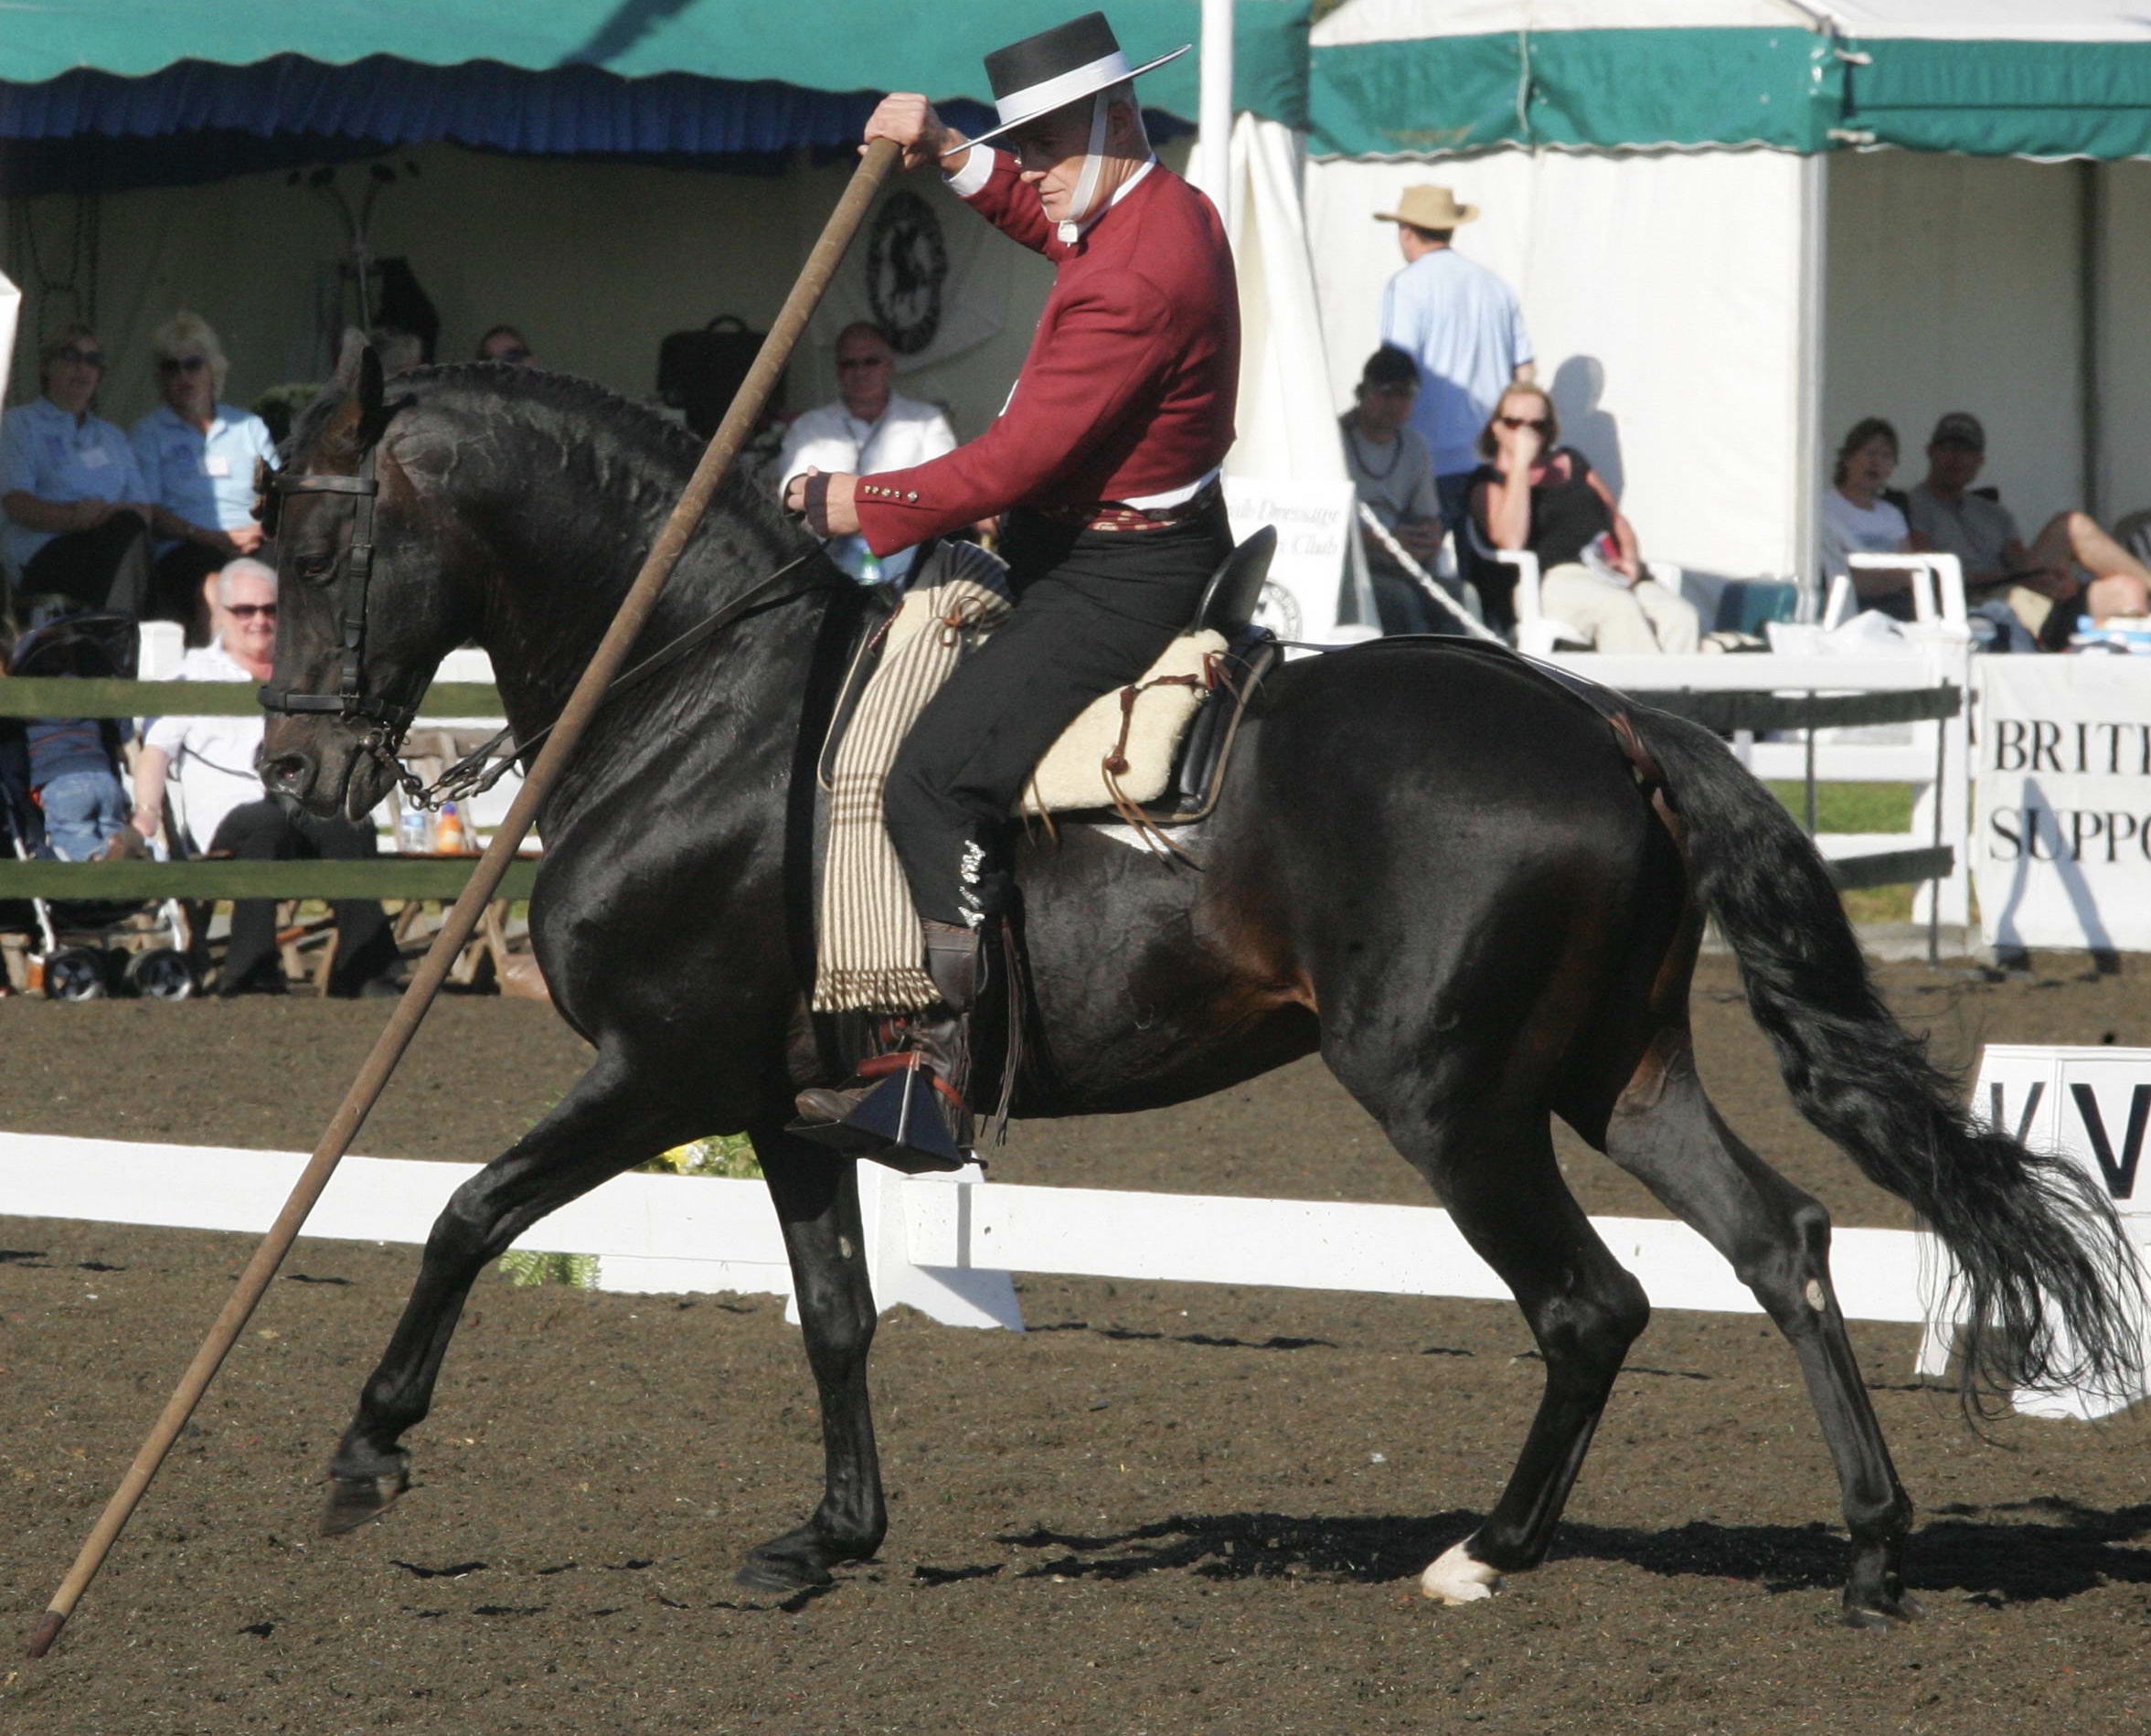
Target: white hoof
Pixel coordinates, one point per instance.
(1457, 1578)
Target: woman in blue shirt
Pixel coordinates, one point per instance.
(196, 456)
(74, 514)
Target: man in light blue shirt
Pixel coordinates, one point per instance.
(198, 456)
(1462, 324)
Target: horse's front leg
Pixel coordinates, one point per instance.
(602, 1126)
(817, 1201)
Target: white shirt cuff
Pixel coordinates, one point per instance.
(969, 182)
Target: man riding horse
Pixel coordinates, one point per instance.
(1103, 467)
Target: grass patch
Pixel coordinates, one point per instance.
(1857, 807)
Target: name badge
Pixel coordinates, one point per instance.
(93, 457)
(216, 466)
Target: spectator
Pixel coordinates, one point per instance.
(1461, 324)
(1858, 518)
(1536, 494)
(76, 510)
(506, 344)
(869, 427)
(1393, 473)
(2039, 584)
(228, 812)
(198, 457)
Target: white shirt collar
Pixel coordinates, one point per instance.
(1071, 233)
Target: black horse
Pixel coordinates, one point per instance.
(1438, 868)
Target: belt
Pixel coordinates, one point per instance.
(1112, 514)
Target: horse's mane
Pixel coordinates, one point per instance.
(622, 435)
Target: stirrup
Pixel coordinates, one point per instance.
(898, 1121)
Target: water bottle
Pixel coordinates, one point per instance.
(414, 832)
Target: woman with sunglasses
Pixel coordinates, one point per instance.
(198, 457)
(1536, 494)
(74, 512)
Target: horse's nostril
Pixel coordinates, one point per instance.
(288, 774)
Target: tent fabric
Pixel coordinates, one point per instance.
(570, 75)
(1994, 78)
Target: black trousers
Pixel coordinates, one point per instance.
(1094, 609)
(175, 588)
(267, 831)
(103, 568)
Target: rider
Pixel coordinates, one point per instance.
(1102, 465)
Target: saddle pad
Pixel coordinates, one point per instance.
(1075, 773)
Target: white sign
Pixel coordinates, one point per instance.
(1306, 597)
(2091, 1106)
(11, 301)
(2061, 844)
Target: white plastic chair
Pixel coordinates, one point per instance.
(1938, 588)
(1538, 635)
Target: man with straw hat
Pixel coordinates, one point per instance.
(1103, 467)
(1461, 324)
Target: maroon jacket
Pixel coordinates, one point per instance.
(1129, 386)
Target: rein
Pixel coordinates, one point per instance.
(470, 775)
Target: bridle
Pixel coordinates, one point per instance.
(350, 702)
(479, 771)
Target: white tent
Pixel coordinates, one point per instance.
(1723, 262)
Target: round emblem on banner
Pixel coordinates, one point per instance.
(1279, 610)
(907, 270)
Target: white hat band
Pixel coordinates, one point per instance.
(1035, 100)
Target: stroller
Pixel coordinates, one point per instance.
(79, 949)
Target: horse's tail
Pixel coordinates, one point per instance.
(2049, 1288)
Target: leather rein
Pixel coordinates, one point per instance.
(389, 724)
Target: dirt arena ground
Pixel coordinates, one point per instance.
(1165, 1509)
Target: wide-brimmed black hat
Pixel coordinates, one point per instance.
(1058, 67)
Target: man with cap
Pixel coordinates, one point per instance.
(1462, 324)
(2039, 584)
(1103, 467)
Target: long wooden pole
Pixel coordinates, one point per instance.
(463, 919)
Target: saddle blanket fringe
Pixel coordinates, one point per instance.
(872, 956)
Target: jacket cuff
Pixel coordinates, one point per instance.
(969, 182)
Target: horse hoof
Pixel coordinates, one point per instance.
(1895, 1612)
(781, 1575)
(1459, 1578)
(353, 1500)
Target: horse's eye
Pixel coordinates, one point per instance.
(312, 565)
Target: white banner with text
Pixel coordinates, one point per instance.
(2062, 843)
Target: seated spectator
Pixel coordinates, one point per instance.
(506, 344)
(75, 509)
(1394, 472)
(1538, 495)
(228, 812)
(2040, 584)
(1858, 520)
(198, 456)
(869, 427)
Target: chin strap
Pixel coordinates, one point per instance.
(1070, 229)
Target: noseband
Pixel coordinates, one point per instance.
(350, 702)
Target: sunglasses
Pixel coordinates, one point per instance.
(852, 364)
(512, 352)
(86, 357)
(182, 364)
(248, 610)
(1539, 422)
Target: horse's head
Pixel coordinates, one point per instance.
(365, 612)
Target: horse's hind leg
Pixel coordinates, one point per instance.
(817, 1201)
(1665, 1130)
(1493, 1164)
(602, 1126)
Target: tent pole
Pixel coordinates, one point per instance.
(1213, 137)
(2090, 263)
(1810, 438)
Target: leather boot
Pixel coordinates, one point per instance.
(937, 1045)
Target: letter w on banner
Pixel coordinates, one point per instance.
(2062, 844)
(2094, 1107)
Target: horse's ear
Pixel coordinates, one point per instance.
(347, 354)
(370, 393)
